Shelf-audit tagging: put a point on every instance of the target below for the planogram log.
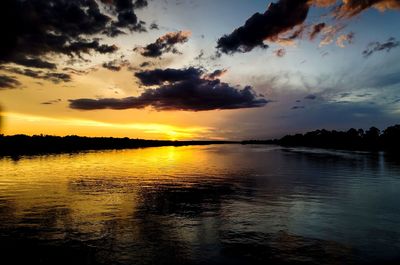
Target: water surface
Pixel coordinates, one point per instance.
(226, 204)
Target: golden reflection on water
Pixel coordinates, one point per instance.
(98, 186)
(1, 120)
(202, 202)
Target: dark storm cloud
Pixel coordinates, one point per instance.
(126, 17)
(113, 31)
(33, 31)
(279, 18)
(377, 46)
(179, 89)
(26, 72)
(55, 77)
(164, 44)
(8, 82)
(161, 76)
(34, 63)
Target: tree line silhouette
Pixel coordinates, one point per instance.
(41, 144)
(354, 139)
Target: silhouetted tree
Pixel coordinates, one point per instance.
(391, 138)
(353, 139)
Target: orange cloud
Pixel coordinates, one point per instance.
(350, 8)
(342, 39)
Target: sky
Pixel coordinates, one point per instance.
(186, 69)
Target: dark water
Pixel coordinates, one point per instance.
(227, 204)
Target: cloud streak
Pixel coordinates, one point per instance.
(165, 44)
(115, 65)
(55, 77)
(8, 82)
(377, 46)
(351, 8)
(316, 29)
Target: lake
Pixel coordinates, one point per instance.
(217, 204)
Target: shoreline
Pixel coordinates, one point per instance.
(19, 145)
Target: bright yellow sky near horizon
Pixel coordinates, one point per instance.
(24, 113)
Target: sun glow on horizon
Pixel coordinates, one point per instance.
(33, 124)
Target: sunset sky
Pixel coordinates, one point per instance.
(187, 69)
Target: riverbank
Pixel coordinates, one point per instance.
(31, 145)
